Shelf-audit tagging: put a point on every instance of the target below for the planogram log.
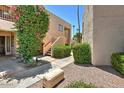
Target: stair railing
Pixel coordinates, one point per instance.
(49, 45)
(59, 41)
(46, 47)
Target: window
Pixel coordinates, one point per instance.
(60, 27)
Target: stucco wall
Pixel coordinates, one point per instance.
(88, 26)
(108, 33)
(5, 33)
(7, 25)
(53, 27)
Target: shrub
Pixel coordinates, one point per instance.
(80, 84)
(117, 60)
(61, 51)
(82, 53)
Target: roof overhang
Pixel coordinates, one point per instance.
(7, 26)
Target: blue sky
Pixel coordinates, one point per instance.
(68, 13)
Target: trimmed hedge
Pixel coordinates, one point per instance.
(117, 60)
(82, 53)
(80, 84)
(61, 51)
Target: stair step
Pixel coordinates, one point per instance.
(48, 53)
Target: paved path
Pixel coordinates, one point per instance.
(102, 77)
(28, 77)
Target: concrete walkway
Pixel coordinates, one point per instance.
(28, 77)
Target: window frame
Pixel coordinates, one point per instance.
(60, 27)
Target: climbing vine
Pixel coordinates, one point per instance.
(32, 25)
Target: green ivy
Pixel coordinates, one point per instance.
(32, 27)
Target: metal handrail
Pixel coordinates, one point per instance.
(46, 44)
(55, 41)
(7, 17)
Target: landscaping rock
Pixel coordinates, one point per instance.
(6, 74)
(3, 74)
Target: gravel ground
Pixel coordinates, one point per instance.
(102, 77)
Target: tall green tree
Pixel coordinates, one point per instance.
(32, 26)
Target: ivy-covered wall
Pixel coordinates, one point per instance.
(32, 25)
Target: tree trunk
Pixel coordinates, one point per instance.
(78, 16)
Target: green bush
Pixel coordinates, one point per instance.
(61, 51)
(80, 84)
(117, 60)
(82, 53)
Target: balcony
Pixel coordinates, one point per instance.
(6, 16)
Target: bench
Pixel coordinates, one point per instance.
(52, 78)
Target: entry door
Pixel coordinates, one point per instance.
(67, 35)
(8, 45)
(2, 45)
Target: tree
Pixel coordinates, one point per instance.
(73, 29)
(77, 36)
(32, 26)
(78, 16)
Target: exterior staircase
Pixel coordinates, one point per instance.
(47, 48)
(48, 53)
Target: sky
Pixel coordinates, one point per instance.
(68, 13)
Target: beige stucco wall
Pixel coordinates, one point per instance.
(108, 33)
(53, 27)
(88, 26)
(5, 33)
(54, 36)
(7, 25)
